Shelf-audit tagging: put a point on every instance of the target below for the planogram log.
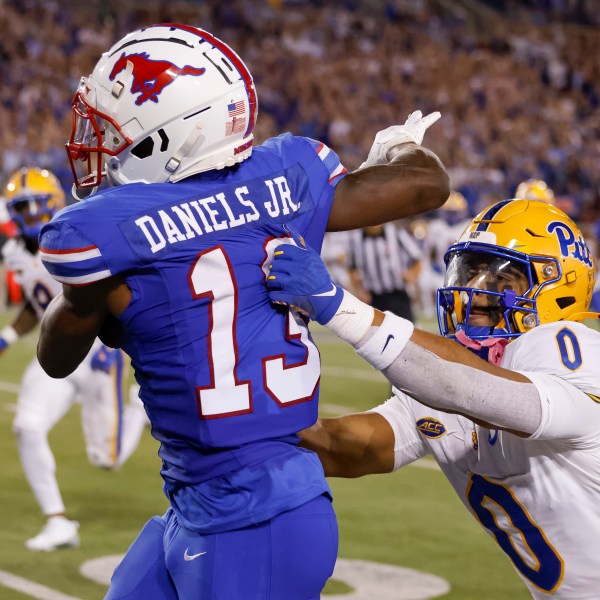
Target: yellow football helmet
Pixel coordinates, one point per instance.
(456, 201)
(518, 264)
(33, 196)
(534, 189)
(455, 209)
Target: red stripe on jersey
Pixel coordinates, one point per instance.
(344, 170)
(72, 251)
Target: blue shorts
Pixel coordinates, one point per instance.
(289, 557)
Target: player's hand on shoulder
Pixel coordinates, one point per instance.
(413, 130)
(105, 358)
(299, 279)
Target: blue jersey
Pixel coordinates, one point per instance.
(227, 380)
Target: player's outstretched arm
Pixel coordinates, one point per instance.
(399, 178)
(435, 371)
(352, 445)
(74, 319)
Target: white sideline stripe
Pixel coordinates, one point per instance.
(332, 409)
(14, 388)
(30, 588)
(6, 386)
(367, 579)
(335, 409)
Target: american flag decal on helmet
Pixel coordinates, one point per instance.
(235, 108)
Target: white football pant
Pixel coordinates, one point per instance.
(111, 431)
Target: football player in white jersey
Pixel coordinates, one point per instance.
(111, 430)
(516, 430)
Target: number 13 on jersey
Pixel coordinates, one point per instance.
(213, 277)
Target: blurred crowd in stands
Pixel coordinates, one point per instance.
(517, 83)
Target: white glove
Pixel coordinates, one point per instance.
(413, 130)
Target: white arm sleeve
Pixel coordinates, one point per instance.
(408, 444)
(567, 412)
(457, 388)
(449, 386)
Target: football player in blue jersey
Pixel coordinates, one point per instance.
(170, 263)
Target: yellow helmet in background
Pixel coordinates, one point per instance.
(33, 196)
(534, 189)
(456, 201)
(530, 263)
(455, 209)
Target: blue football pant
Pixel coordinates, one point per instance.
(289, 557)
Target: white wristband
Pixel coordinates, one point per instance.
(352, 319)
(384, 346)
(9, 334)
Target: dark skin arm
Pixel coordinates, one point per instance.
(414, 182)
(352, 445)
(363, 443)
(74, 319)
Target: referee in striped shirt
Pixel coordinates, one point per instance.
(384, 261)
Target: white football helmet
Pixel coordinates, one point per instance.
(165, 102)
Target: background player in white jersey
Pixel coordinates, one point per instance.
(443, 230)
(520, 442)
(111, 432)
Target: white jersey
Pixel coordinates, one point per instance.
(38, 286)
(440, 236)
(43, 401)
(335, 254)
(538, 497)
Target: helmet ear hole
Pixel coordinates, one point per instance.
(144, 149)
(164, 140)
(565, 301)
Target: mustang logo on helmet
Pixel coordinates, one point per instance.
(151, 77)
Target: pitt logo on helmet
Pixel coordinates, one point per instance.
(431, 428)
(569, 245)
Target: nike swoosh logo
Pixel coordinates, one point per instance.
(187, 556)
(389, 337)
(331, 292)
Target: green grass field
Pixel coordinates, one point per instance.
(411, 518)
